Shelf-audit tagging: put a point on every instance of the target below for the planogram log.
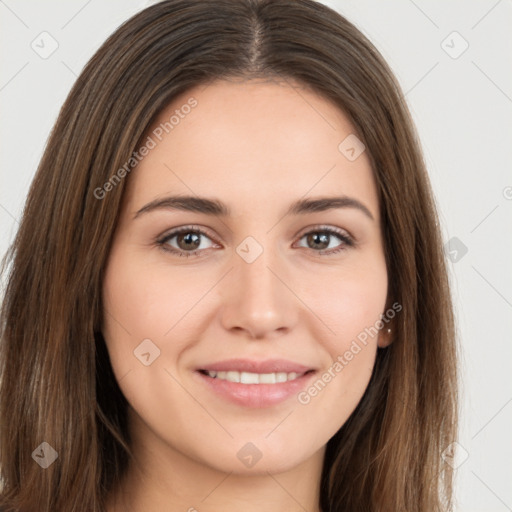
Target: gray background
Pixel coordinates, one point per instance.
(461, 102)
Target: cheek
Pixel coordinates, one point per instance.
(349, 300)
(351, 306)
(146, 299)
(142, 303)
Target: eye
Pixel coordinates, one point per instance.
(187, 239)
(321, 239)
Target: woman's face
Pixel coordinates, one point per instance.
(260, 285)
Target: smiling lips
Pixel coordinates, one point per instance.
(254, 378)
(250, 366)
(255, 383)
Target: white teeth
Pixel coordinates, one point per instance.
(248, 378)
(233, 376)
(254, 378)
(268, 378)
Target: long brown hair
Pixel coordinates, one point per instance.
(57, 385)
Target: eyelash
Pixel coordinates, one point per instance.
(347, 241)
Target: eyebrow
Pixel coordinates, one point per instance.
(220, 209)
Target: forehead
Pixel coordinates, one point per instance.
(250, 137)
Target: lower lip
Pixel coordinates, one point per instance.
(256, 395)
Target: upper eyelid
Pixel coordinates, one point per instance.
(324, 227)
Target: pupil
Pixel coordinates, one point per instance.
(320, 238)
(189, 238)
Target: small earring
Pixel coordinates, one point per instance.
(388, 330)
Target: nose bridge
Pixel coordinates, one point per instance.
(256, 275)
(258, 301)
(258, 284)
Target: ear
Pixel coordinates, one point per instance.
(386, 335)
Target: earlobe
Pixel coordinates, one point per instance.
(385, 337)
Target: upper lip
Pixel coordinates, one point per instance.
(251, 366)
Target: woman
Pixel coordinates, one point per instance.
(302, 354)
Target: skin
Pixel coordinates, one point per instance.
(256, 146)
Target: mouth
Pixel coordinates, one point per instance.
(255, 384)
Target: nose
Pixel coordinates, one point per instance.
(259, 298)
